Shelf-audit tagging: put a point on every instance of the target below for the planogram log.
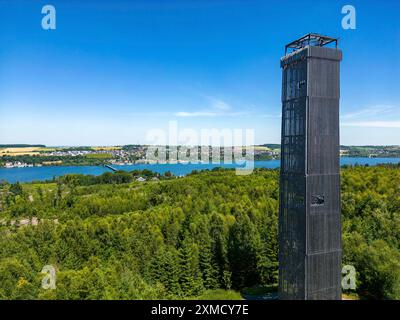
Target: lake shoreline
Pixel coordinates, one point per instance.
(30, 174)
(155, 163)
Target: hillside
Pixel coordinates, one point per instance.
(113, 237)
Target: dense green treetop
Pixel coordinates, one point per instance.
(112, 237)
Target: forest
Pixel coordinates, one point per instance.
(210, 234)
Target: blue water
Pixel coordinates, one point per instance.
(46, 173)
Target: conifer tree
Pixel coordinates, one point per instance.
(208, 267)
(190, 275)
(166, 270)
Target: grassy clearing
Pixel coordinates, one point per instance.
(219, 294)
(261, 148)
(99, 156)
(260, 290)
(33, 187)
(51, 163)
(350, 296)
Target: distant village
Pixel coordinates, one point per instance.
(22, 156)
(14, 157)
(18, 164)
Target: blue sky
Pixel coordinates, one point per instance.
(112, 71)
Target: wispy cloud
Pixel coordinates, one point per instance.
(148, 114)
(219, 104)
(373, 124)
(209, 114)
(196, 114)
(216, 108)
(377, 116)
(376, 111)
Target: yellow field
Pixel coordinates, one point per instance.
(261, 148)
(19, 151)
(47, 149)
(106, 148)
(49, 163)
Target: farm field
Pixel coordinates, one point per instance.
(25, 151)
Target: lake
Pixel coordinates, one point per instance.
(46, 173)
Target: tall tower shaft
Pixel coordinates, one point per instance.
(309, 216)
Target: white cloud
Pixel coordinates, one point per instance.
(219, 104)
(377, 116)
(196, 114)
(373, 112)
(373, 124)
(183, 114)
(216, 107)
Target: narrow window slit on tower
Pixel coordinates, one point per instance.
(317, 200)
